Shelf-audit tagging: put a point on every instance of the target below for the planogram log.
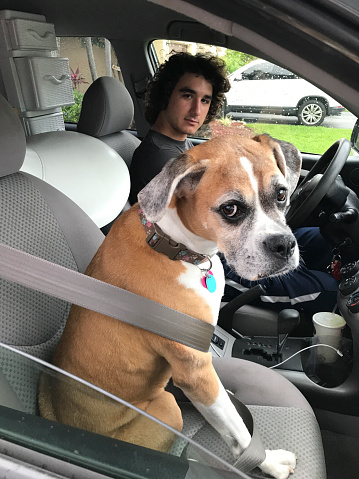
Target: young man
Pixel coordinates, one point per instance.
(187, 92)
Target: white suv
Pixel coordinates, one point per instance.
(262, 87)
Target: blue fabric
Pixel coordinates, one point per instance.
(309, 287)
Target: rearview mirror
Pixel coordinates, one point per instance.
(355, 137)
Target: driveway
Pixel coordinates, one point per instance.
(345, 120)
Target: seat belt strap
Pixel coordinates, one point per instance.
(74, 287)
(255, 453)
(90, 293)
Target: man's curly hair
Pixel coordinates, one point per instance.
(159, 90)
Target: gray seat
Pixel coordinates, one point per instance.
(37, 218)
(83, 168)
(106, 113)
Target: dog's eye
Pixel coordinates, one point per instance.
(231, 211)
(234, 211)
(281, 195)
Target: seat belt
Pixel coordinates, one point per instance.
(74, 287)
(90, 293)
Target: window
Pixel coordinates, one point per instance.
(259, 71)
(89, 58)
(268, 98)
(282, 74)
(21, 373)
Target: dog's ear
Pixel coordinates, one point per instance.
(288, 157)
(179, 176)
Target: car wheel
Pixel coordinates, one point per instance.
(311, 113)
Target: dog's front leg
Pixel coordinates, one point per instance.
(197, 378)
(223, 416)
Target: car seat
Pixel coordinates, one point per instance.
(83, 168)
(106, 113)
(38, 219)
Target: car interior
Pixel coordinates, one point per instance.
(62, 184)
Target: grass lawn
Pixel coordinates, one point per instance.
(312, 139)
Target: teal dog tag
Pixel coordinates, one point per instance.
(209, 282)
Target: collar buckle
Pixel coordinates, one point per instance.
(162, 243)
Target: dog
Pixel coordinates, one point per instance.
(228, 194)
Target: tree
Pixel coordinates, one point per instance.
(91, 58)
(235, 60)
(108, 58)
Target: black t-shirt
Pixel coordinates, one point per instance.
(150, 157)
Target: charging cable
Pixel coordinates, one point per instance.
(304, 349)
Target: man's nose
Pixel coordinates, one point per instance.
(196, 107)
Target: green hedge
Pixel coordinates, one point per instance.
(72, 113)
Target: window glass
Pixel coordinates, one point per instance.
(282, 73)
(287, 107)
(89, 59)
(82, 445)
(259, 71)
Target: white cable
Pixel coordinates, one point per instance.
(304, 349)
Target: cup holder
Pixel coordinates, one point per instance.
(323, 365)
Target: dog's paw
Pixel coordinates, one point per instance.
(279, 464)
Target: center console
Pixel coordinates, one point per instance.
(325, 377)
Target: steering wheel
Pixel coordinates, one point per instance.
(317, 182)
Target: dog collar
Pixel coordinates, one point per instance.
(162, 243)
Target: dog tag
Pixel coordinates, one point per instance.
(209, 282)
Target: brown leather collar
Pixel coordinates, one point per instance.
(162, 243)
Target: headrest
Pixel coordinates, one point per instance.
(12, 140)
(107, 108)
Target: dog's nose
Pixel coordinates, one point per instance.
(280, 245)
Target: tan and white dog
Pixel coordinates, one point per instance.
(227, 194)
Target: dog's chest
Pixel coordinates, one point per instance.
(192, 280)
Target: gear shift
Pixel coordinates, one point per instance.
(288, 319)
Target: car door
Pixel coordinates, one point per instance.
(250, 87)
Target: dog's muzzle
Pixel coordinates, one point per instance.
(280, 246)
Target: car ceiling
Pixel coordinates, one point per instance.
(319, 41)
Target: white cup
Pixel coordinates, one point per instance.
(328, 329)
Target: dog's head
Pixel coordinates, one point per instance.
(233, 191)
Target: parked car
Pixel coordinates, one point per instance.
(263, 87)
(72, 184)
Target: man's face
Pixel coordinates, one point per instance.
(187, 107)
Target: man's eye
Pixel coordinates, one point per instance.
(231, 211)
(281, 195)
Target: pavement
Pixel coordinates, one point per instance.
(345, 120)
